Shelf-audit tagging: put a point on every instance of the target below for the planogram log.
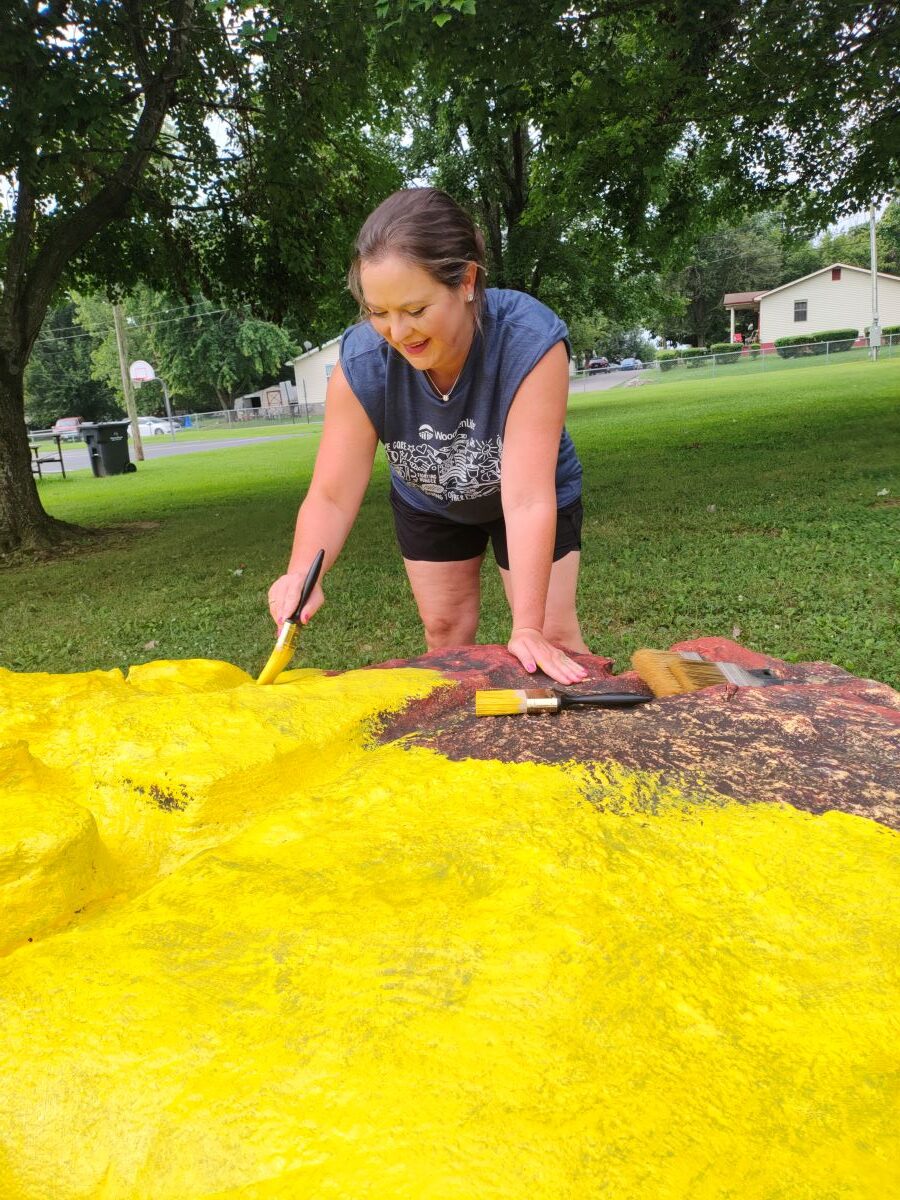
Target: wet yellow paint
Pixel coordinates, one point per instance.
(268, 959)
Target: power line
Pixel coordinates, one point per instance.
(96, 333)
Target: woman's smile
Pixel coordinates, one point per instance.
(429, 324)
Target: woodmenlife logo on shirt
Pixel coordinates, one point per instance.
(458, 467)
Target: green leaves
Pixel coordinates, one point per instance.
(394, 13)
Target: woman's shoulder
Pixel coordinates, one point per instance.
(521, 324)
(506, 306)
(359, 339)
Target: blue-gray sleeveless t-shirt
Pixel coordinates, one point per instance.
(445, 457)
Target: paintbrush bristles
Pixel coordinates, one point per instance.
(694, 676)
(279, 660)
(670, 674)
(501, 703)
(655, 668)
(509, 702)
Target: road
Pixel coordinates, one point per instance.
(600, 383)
(165, 445)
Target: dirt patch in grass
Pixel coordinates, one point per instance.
(79, 541)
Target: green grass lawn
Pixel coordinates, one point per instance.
(764, 364)
(744, 503)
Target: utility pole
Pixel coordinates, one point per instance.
(875, 329)
(119, 321)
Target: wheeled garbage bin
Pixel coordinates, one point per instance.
(107, 443)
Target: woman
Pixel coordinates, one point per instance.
(467, 389)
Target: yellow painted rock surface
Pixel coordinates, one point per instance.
(270, 960)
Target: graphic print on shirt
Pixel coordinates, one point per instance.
(449, 467)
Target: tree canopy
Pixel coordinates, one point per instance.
(173, 142)
(206, 354)
(234, 149)
(60, 380)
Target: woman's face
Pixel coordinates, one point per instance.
(429, 324)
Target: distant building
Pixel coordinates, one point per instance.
(274, 400)
(836, 297)
(312, 371)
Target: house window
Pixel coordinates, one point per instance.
(835, 273)
(799, 310)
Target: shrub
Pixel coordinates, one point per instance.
(726, 352)
(667, 359)
(793, 347)
(755, 349)
(696, 356)
(838, 339)
(829, 341)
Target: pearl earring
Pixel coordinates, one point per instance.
(470, 297)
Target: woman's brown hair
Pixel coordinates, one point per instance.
(428, 228)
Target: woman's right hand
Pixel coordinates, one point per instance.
(284, 596)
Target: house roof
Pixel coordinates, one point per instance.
(732, 299)
(316, 349)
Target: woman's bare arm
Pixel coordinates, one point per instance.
(340, 478)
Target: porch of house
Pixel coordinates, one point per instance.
(743, 302)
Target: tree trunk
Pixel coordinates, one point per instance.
(23, 523)
(33, 269)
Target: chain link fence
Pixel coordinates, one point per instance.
(297, 413)
(744, 359)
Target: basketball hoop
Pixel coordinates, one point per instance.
(141, 372)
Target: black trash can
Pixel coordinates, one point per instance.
(107, 443)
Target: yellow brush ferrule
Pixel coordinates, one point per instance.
(281, 655)
(286, 636)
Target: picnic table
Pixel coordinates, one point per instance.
(41, 454)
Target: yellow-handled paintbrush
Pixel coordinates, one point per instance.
(508, 702)
(287, 635)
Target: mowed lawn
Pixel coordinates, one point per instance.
(763, 508)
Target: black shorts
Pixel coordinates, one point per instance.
(427, 537)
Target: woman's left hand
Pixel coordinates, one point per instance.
(534, 652)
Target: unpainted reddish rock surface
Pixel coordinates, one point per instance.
(822, 740)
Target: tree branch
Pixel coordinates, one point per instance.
(70, 233)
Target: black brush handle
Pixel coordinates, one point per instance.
(604, 699)
(308, 584)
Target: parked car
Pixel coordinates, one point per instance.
(69, 428)
(153, 426)
(630, 364)
(597, 365)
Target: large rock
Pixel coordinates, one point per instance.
(821, 740)
(328, 958)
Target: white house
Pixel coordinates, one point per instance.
(312, 371)
(836, 297)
